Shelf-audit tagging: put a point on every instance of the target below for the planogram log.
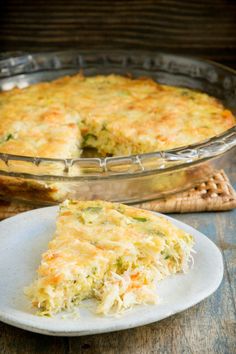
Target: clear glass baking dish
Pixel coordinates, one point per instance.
(128, 179)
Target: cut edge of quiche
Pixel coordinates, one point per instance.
(107, 251)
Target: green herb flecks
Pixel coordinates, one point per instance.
(159, 233)
(94, 270)
(140, 219)
(165, 254)
(185, 93)
(6, 138)
(88, 137)
(119, 262)
(93, 209)
(188, 94)
(123, 93)
(104, 126)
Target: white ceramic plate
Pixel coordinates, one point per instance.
(24, 237)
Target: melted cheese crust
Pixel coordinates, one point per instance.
(38, 131)
(108, 251)
(116, 115)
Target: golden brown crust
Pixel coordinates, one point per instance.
(31, 130)
(108, 251)
(114, 114)
(117, 115)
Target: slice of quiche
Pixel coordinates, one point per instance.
(108, 251)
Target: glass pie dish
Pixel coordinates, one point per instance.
(128, 179)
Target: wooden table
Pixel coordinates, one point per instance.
(205, 28)
(200, 28)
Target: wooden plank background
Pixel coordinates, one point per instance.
(205, 28)
(193, 27)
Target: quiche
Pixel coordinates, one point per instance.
(107, 251)
(116, 115)
(78, 116)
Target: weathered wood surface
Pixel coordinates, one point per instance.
(204, 28)
(201, 28)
